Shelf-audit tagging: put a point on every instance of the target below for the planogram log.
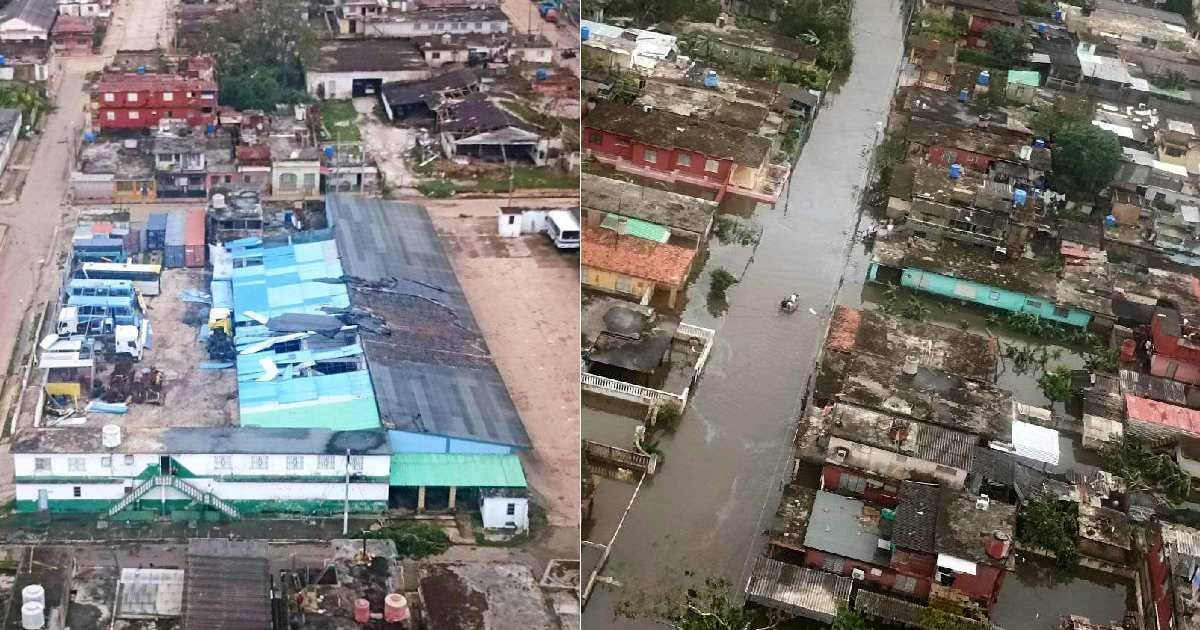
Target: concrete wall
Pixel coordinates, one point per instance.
(340, 84)
(307, 180)
(615, 283)
(495, 512)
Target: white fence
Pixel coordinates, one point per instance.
(645, 395)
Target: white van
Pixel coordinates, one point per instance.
(563, 229)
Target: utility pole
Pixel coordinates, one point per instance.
(346, 509)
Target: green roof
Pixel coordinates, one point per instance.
(1181, 95)
(462, 470)
(639, 228)
(1025, 77)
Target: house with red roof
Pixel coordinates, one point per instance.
(627, 264)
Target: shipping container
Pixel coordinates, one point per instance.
(173, 241)
(156, 231)
(194, 248)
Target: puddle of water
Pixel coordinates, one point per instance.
(1031, 599)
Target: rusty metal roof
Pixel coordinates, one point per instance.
(806, 592)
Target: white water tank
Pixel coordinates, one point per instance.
(33, 593)
(110, 436)
(912, 362)
(33, 616)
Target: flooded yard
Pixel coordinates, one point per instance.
(1035, 597)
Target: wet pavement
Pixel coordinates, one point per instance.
(718, 487)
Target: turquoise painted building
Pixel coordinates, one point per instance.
(993, 297)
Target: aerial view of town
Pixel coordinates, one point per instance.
(285, 287)
(889, 314)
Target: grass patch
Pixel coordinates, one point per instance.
(339, 122)
(529, 177)
(437, 188)
(414, 540)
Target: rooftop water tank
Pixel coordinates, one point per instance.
(33, 616)
(1042, 28)
(395, 608)
(1110, 221)
(963, 95)
(329, 152)
(141, 69)
(955, 171)
(1058, 15)
(1019, 196)
(110, 436)
(210, 129)
(985, 78)
(33, 593)
(3, 60)
(1039, 143)
(542, 74)
(584, 33)
(89, 136)
(912, 363)
(711, 79)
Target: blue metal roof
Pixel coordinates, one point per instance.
(276, 278)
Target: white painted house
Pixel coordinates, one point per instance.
(352, 68)
(27, 20)
(231, 470)
(419, 22)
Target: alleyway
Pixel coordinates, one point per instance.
(719, 485)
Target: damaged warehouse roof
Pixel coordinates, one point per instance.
(431, 370)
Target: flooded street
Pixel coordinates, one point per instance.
(718, 486)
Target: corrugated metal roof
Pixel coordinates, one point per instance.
(837, 525)
(637, 227)
(437, 377)
(806, 592)
(916, 516)
(343, 401)
(1154, 412)
(1035, 442)
(1025, 77)
(226, 585)
(945, 446)
(462, 470)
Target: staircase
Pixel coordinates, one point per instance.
(159, 481)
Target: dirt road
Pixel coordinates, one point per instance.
(525, 296)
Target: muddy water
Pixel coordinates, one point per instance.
(719, 484)
(1036, 597)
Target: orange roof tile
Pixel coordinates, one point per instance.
(628, 255)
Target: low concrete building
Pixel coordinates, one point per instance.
(295, 170)
(73, 35)
(10, 132)
(632, 266)
(356, 68)
(27, 20)
(383, 22)
(119, 171)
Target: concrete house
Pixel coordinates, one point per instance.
(27, 20)
(180, 164)
(630, 265)
(142, 101)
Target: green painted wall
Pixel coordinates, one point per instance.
(97, 506)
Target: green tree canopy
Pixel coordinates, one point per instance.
(1086, 158)
(1006, 43)
(847, 619)
(261, 53)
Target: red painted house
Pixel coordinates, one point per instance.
(873, 488)
(981, 15)
(974, 544)
(669, 147)
(1171, 562)
(140, 101)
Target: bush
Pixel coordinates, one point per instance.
(1056, 385)
(1051, 525)
(437, 188)
(414, 540)
(722, 280)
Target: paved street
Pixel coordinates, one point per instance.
(525, 19)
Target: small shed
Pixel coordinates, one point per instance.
(509, 222)
(1022, 85)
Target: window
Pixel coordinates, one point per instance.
(106, 461)
(1061, 312)
(110, 115)
(906, 584)
(109, 97)
(135, 115)
(287, 182)
(356, 463)
(245, 179)
(623, 285)
(595, 138)
(833, 564)
(168, 96)
(41, 464)
(325, 462)
(222, 462)
(131, 97)
(711, 166)
(258, 462)
(512, 219)
(479, 26)
(76, 464)
(129, 460)
(295, 462)
(650, 155)
(512, 509)
(435, 55)
(229, 179)
(310, 182)
(76, 492)
(683, 159)
(1033, 303)
(994, 296)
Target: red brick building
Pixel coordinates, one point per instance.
(683, 150)
(140, 101)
